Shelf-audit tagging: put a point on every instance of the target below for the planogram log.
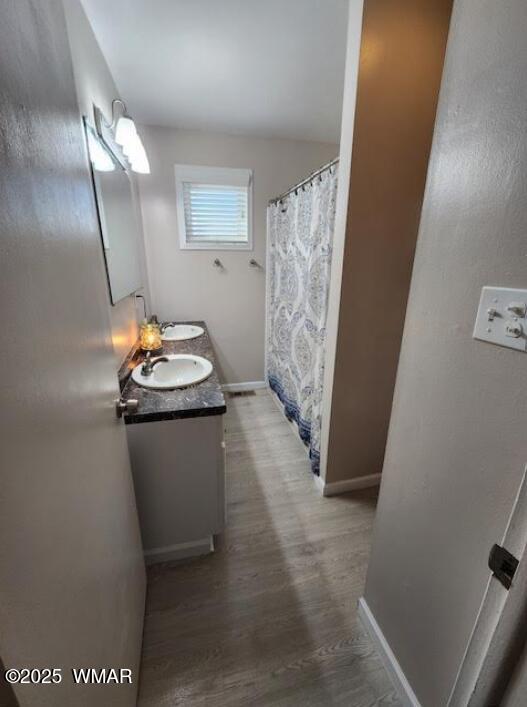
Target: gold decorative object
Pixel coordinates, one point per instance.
(150, 336)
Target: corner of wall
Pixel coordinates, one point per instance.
(341, 218)
(390, 131)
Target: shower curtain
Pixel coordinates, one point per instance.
(300, 235)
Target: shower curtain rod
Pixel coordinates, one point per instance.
(312, 176)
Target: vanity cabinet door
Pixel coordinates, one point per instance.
(222, 481)
(179, 475)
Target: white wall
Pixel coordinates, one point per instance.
(184, 284)
(95, 85)
(457, 444)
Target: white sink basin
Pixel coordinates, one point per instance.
(179, 371)
(181, 332)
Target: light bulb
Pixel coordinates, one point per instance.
(132, 146)
(125, 131)
(126, 135)
(139, 160)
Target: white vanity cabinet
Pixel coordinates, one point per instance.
(178, 468)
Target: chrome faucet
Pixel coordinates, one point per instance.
(165, 325)
(148, 366)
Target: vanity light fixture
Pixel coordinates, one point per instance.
(124, 133)
(99, 157)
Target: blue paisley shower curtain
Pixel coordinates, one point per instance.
(300, 235)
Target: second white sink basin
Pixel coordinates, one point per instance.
(179, 371)
(182, 332)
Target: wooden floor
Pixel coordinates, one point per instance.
(269, 618)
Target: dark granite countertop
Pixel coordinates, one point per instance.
(199, 400)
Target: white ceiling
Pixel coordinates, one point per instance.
(273, 68)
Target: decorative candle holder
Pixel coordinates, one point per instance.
(150, 336)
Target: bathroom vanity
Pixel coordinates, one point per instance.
(177, 451)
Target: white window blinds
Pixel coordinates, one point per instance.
(215, 212)
(214, 207)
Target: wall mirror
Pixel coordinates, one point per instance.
(118, 217)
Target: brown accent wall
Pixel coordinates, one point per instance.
(401, 61)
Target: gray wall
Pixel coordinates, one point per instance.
(96, 85)
(457, 444)
(71, 568)
(515, 695)
(401, 60)
(7, 696)
(183, 283)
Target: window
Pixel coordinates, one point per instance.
(214, 207)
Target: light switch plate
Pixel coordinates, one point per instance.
(501, 317)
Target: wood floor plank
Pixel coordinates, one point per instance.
(269, 619)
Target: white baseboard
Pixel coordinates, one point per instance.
(336, 487)
(180, 551)
(387, 656)
(319, 483)
(243, 387)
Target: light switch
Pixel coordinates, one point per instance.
(501, 317)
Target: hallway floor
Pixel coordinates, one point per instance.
(269, 618)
